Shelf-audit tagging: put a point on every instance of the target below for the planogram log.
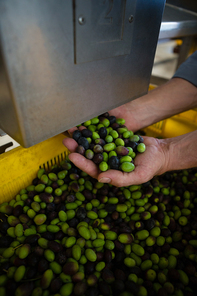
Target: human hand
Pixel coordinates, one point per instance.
(148, 164)
(127, 112)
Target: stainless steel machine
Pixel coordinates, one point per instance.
(64, 62)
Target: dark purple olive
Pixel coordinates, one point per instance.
(89, 267)
(136, 269)
(28, 201)
(141, 140)
(59, 235)
(99, 256)
(25, 289)
(81, 213)
(83, 142)
(110, 208)
(86, 133)
(165, 232)
(61, 257)
(98, 158)
(121, 198)
(76, 135)
(31, 194)
(43, 265)
(115, 215)
(122, 151)
(120, 274)
(80, 149)
(108, 256)
(73, 222)
(80, 288)
(5, 241)
(172, 225)
(98, 149)
(61, 206)
(55, 246)
(157, 250)
(190, 269)
(18, 210)
(39, 251)
(31, 272)
(131, 286)
(55, 285)
(165, 248)
(88, 194)
(146, 256)
(52, 215)
(74, 186)
(118, 286)
(31, 239)
(160, 216)
(46, 197)
(48, 235)
(104, 288)
(70, 268)
(70, 198)
(193, 282)
(18, 262)
(108, 276)
(11, 287)
(149, 224)
(133, 145)
(126, 142)
(114, 162)
(112, 119)
(93, 291)
(104, 190)
(115, 125)
(100, 142)
(118, 245)
(162, 292)
(51, 207)
(106, 114)
(33, 259)
(102, 132)
(3, 228)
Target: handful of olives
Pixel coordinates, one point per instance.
(108, 143)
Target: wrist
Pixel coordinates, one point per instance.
(180, 152)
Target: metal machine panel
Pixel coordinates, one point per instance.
(103, 31)
(58, 79)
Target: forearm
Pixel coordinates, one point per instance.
(180, 152)
(174, 97)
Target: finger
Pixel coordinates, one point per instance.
(71, 130)
(115, 177)
(82, 127)
(121, 179)
(84, 164)
(71, 144)
(149, 140)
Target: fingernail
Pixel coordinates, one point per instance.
(105, 180)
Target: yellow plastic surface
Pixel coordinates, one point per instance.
(18, 167)
(177, 125)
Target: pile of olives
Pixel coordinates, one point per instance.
(67, 234)
(108, 143)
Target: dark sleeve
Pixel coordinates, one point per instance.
(188, 70)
